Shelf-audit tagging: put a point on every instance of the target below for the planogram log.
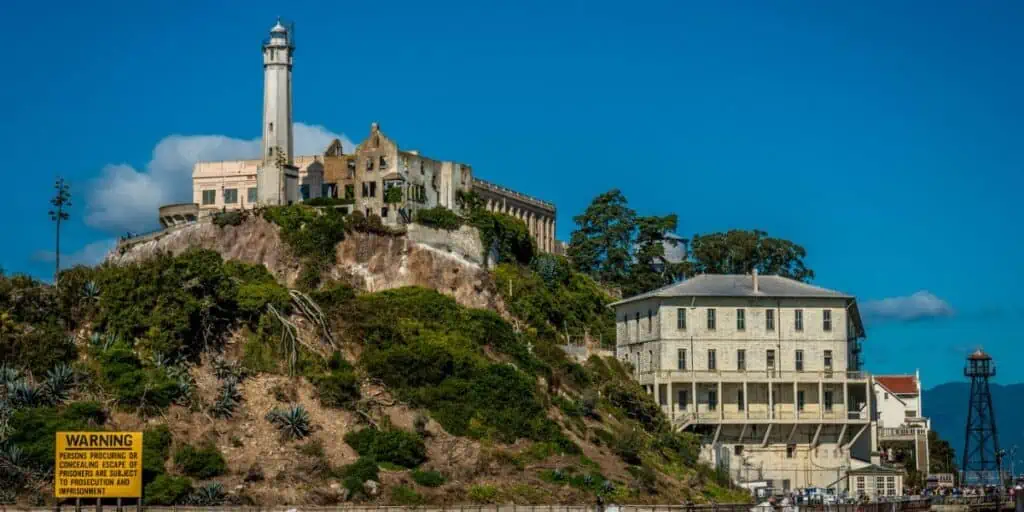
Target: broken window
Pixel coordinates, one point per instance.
(366, 189)
(369, 164)
(383, 163)
(384, 212)
(373, 189)
(790, 451)
(350, 191)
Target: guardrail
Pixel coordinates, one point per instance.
(741, 375)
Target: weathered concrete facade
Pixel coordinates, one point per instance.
(538, 215)
(766, 369)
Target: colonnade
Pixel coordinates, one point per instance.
(540, 224)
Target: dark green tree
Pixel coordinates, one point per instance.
(602, 244)
(650, 269)
(941, 456)
(61, 201)
(740, 251)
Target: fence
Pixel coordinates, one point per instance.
(902, 505)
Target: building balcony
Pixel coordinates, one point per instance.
(706, 417)
(901, 433)
(664, 376)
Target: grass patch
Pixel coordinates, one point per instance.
(428, 478)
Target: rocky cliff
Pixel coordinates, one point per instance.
(451, 262)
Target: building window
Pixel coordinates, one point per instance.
(650, 324)
(712, 400)
(711, 319)
(681, 319)
(769, 319)
(304, 192)
(383, 163)
(366, 189)
(384, 212)
(638, 325)
(650, 360)
(909, 414)
(770, 359)
(712, 359)
(799, 360)
(271, 124)
(625, 326)
(798, 320)
(350, 191)
(737, 450)
(879, 484)
(373, 189)
(828, 401)
(741, 319)
(828, 359)
(683, 399)
(800, 400)
(230, 195)
(328, 190)
(369, 164)
(741, 359)
(252, 195)
(790, 451)
(826, 320)
(681, 358)
(209, 196)
(740, 400)
(860, 485)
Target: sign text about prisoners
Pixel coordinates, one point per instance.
(98, 465)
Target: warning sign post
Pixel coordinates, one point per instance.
(98, 465)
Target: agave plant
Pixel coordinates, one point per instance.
(6, 411)
(227, 369)
(207, 495)
(9, 375)
(90, 291)
(59, 381)
(186, 387)
(228, 399)
(23, 394)
(293, 422)
(102, 342)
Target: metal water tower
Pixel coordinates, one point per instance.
(982, 464)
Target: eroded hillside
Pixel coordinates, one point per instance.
(292, 362)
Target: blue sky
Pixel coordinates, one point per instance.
(886, 137)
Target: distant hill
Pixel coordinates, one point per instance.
(946, 405)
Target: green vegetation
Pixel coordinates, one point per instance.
(372, 224)
(330, 201)
(134, 384)
(398, 447)
(34, 429)
(200, 462)
(393, 195)
(156, 448)
(404, 495)
(506, 235)
(229, 218)
(166, 490)
(311, 234)
(355, 474)
(428, 478)
(292, 423)
(483, 494)
(438, 217)
(339, 386)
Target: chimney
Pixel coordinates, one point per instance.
(754, 275)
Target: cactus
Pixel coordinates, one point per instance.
(292, 422)
(9, 375)
(23, 394)
(226, 369)
(90, 291)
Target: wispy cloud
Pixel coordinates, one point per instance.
(90, 254)
(918, 306)
(123, 198)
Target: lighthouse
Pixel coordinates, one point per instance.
(277, 177)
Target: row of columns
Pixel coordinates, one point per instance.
(656, 392)
(542, 227)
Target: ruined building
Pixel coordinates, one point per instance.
(378, 178)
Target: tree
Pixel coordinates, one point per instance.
(60, 202)
(941, 456)
(650, 269)
(601, 245)
(741, 251)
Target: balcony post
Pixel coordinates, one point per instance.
(721, 401)
(796, 404)
(821, 400)
(696, 405)
(846, 403)
(746, 401)
(771, 400)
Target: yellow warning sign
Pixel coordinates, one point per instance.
(98, 465)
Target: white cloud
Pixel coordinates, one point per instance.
(91, 254)
(919, 306)
(126, 199)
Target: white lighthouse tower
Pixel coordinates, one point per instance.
(277, 177)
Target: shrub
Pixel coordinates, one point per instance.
(38, 349)
(636, 404)
(156, 447)
(59, 382)
(207, 495)
(504, 234)
(228, 399)
(123, 374)
(200, 462)
(483, 494)
(629, 444)
(228, 218)
(329, 201)
(339, 388)
(293, 423)
(372, 224)
(167, 490)
(393, 445)
(403, 495)
(362, 470)
(428, 478)
(34, 430)
(307, 231)
(438, 217)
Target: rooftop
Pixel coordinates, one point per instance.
(738, 285)
(898, 384)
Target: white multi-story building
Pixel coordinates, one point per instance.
(765, 368)
(900, 417)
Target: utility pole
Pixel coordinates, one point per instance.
(60, 202)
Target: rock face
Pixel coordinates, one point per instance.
(450, 262)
